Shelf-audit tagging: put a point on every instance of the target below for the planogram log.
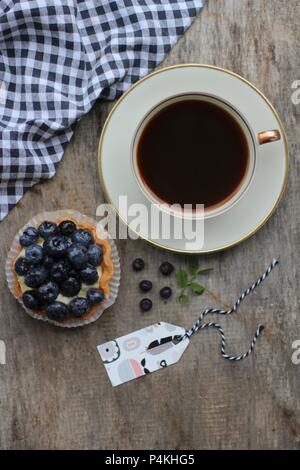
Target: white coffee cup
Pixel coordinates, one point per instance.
(254, 142)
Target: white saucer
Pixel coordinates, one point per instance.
(262, 198)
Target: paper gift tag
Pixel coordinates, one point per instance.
(143, 351)
(162, 344)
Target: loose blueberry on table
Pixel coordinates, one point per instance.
(145, 286)
(138, 264)
(146, 305)
(59, 267)
(166, 268)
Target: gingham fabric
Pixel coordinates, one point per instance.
(57, 57)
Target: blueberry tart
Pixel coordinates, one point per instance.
(61, 270)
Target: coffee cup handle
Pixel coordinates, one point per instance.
(268, 136)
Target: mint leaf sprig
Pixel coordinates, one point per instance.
(186, 282)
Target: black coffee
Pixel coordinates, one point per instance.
(192, 152)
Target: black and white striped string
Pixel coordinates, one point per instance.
(200, 326)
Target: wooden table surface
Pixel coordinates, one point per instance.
(54, 391)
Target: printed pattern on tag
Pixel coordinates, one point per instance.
(142, 352)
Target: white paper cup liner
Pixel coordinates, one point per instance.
(113, 285)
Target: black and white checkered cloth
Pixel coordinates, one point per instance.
(57, 57)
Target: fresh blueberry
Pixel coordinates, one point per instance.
(95, 254)
(165, 292)
(21, 266)
(59, 271)
(95, 295)
(32, 232)
(29, 236)
(145, 285)
(56, 246)
(25, 240)
(138, 264)
(82, 236)
(70, 287)
(31, 299)
(145, 305)
(74, 273)
(67, 227)
(47, 229)
(48, 292)
(48, 261)
(34, 254)
(79, 306)
(89, 274)
(166, 268)
(77, 255)
(57, 311)
(36, 276)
